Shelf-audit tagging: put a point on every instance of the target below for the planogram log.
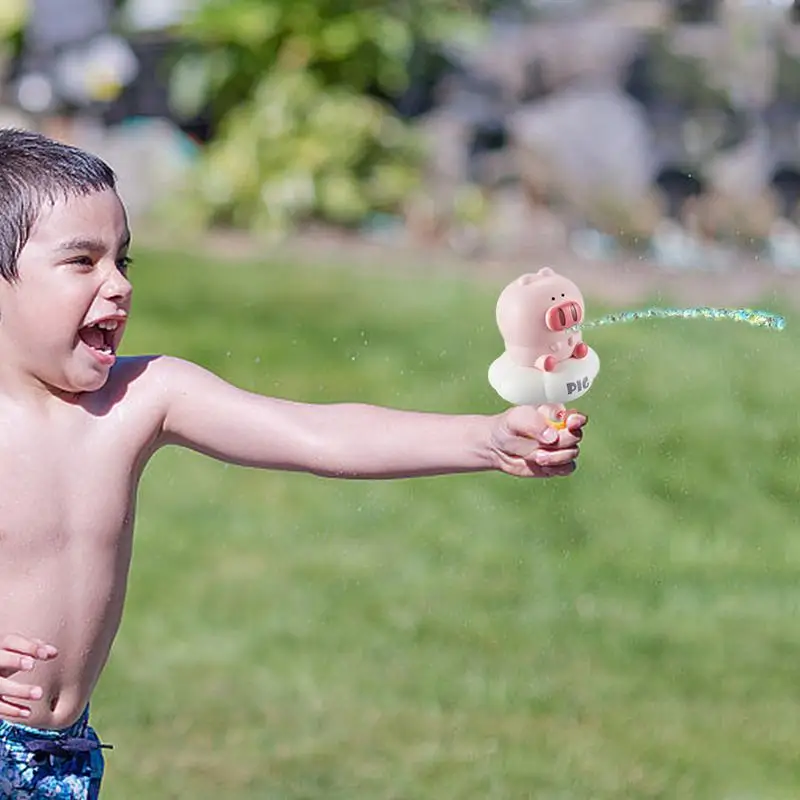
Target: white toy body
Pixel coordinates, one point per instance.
(531, 386)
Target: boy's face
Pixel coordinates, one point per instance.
(62, 321)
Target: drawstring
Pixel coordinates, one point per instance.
(64, 747)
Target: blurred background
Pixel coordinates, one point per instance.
(664, 130)
(328, 198)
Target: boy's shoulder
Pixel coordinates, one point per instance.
(144, 369)
(144, 381)
(150, 379)
(162, 372)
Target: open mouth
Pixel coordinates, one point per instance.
(101, 336)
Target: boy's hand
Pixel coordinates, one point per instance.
(19, 654)
(525, 445)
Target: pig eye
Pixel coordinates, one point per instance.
(562, 294)
(553, 299)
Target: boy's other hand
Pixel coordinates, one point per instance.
(20, 654)
(527, 446)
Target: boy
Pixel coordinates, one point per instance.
(78, 424)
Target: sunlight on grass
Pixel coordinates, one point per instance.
(629, 632)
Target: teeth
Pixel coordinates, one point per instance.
(108, 325)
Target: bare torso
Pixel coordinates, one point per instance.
(68, 483)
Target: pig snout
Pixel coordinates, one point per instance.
(564, 315)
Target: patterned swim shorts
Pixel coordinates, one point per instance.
(37, 764)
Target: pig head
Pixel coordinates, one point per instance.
(536, 315)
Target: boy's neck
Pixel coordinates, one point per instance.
(26, 390)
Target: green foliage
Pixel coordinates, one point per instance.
(339, 45)
(13, 14)
(298, 150)
(300, 137)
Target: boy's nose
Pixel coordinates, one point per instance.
(117, 286)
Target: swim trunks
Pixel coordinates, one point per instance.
(63, 764)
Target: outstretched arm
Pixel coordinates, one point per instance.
(207, 414)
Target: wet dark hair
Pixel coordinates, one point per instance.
(36, 171)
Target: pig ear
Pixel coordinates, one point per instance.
(545, 272)
(529, 277)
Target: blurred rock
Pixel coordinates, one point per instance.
(744, 170)
(594, 245)
(675, 249)
(596, 143)
(515, 228)
(446, 135)
(783, 246)
(529, 61)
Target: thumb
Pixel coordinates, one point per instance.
(530, 423)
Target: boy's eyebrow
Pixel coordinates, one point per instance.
(90, 245)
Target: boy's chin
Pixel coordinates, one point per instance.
(92, 386)
(82, 381)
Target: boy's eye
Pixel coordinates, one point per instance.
(82, 261)
(124, 264)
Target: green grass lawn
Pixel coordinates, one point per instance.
(630, 632)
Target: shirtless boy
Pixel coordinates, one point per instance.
(78, 424)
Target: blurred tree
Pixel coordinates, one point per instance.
(13, 16)
(302, 94)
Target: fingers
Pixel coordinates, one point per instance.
(532, 433)
(566, 439)
(12, 710)
(568, 419)
(531, 446)
(19, 654)
(558, 472)
(14, 662)
(554, 458)
(576, 421)
(13, 696)
(536, 423)
(24, 645)
(526, 423)
(11, 690)
(529, 469)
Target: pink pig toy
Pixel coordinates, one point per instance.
(545, 359)
(535, 315)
